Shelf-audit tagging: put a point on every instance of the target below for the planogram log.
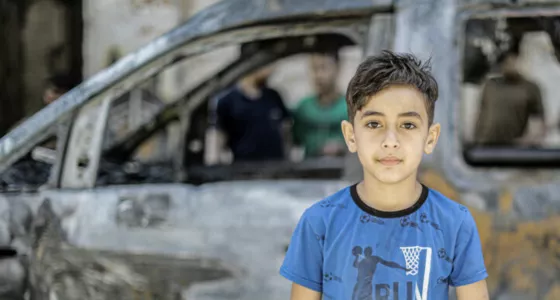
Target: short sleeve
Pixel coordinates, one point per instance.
(468, 262)
(303, 263)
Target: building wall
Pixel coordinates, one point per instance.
(51, 42)
(45, 48)
(114, 28)
(11, 73)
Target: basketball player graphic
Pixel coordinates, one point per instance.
(366, 269)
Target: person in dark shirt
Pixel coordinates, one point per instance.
(251, 120)
(509, 102)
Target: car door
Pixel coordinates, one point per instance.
(180, 234)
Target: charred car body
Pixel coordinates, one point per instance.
(95, 224)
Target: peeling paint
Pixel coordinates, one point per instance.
(522, 257)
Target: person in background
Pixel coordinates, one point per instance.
(509, 103)
(317, 118)
(58, 85)
(251, 120)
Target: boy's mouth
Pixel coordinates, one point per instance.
(390, 161)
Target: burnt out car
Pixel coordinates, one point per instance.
(96, 219)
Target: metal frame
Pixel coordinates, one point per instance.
(85, 141)
(463, 175)
(215, 19)
(381, 30)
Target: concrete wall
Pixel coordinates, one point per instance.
(44, 32)
(113, 28)
(51, 43)
(117, 27)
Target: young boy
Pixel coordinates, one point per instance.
(387, 237)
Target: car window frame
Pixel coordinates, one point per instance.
(69, 177)
(509, 157)
(516, 164)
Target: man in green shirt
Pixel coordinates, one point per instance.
(317, 118)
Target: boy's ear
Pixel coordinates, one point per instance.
(433, 136)
(348, 132)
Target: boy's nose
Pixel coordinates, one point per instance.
(391, 141)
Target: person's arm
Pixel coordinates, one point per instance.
(215, 136)
(391, 264)
(334, 148)
(300, 292)
(303, 264)
(483, 119)
(535, 131)
(538, 116)
(469, 272)
(215, 143)
(337, 146)
(287, 124)
(473, 291)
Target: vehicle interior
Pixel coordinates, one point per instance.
(119, 165)
(182, 160)
(534, 37)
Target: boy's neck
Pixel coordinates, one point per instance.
(389, 197)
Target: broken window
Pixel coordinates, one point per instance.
(509, 88)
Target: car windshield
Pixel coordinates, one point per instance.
(312, 148)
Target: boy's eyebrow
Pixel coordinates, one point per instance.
(369, 113)
(410, 114)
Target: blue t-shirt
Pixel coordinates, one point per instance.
(345, 249)
(253, 126)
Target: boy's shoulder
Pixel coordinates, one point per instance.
(338, 200)
(449, 209)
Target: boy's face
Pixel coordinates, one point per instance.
(391, 133)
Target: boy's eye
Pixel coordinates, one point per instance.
(373, 125)
(408, 126)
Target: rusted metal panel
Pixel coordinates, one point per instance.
(516, 210)
(216, 241)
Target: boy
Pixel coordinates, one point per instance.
(387, 237)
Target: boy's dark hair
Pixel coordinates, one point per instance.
(381, 71)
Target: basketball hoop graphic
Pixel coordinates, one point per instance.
(412, 259)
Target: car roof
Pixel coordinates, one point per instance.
(224, 15)
(221, 16)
